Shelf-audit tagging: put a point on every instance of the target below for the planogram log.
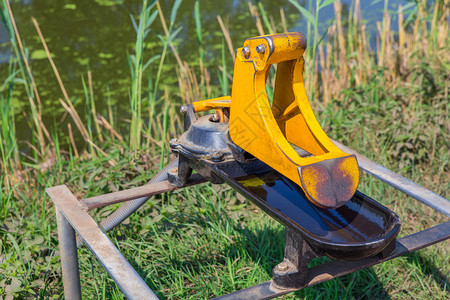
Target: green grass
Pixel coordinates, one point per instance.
(197, 243)
(205, 241)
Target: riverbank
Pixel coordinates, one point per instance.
(390, 103)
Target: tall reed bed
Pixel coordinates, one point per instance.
(145, 93)
(346, 58)
(20, 74)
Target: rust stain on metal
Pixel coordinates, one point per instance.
(333, 181)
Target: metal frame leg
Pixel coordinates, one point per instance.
(292, 272)
(71, 216)
(69, 257)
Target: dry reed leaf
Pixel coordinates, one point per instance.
(226, 34)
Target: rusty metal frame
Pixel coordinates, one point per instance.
(72, 216)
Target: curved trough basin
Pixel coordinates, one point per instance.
(361, 228)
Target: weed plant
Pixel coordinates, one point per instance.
(390, 103)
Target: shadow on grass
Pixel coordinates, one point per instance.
(262, 245)
(363, 284)
(144, 275)
(428, 268)
(265, 247)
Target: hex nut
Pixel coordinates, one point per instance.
(283, 266)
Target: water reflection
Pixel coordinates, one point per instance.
(358, 221)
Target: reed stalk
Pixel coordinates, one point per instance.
(167, 41)
(312, 21)
(39, 129)
(93, 110)
(201, 51)
(223, 76)
(255, 15)
(226, 34)
(198, 32)
(66, 102)
(9, 151)
(265, 18)
(137, 66)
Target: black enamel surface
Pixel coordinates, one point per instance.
(356, 222)
(359, 229)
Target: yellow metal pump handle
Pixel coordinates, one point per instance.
(210, 104)
(329, 177)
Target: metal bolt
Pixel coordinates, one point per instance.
(261, 49)
(246, 52)
(216, 154)
(283, 266)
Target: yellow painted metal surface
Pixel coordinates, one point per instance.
(329, 177)
(209, 104)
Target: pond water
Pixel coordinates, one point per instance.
(97, 35)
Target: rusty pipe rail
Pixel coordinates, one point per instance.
(399, 182)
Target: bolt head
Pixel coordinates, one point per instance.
(283, 266)
(261, 49)
(246, 52)
(216, 154)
